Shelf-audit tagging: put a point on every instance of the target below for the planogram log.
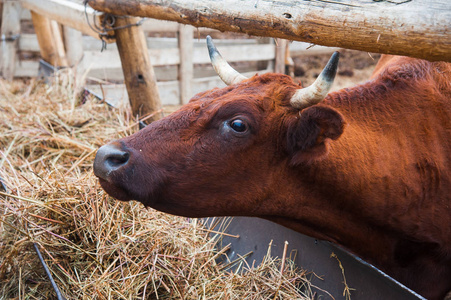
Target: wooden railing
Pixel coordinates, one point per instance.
(181, 63)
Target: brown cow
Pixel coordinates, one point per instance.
(367, 167)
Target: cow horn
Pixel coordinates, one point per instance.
(318, 90)
(228, 74)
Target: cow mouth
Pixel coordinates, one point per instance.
(122, 193)
(115, 191)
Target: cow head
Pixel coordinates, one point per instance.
(228, 150)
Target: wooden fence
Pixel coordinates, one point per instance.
(418, 28)
(181, 62)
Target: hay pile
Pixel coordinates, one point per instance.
(95, 246)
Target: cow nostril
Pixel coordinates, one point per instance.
(117, 159)
(109, 158)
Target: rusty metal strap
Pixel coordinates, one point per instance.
(107, 25)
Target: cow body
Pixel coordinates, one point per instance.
(368, 168)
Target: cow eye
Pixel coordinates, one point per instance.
(238, 125)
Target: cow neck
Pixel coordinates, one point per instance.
(346, 198)
(320, 207)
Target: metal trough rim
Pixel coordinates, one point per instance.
(254, 234)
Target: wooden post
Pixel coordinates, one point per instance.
(138, 72)
(67, 12)
(49, 38)
(59, 44)
(1, 12)
(281, 46)
(73, 43)
(185, 39)
(289, 62)
(10, 33)
(265, 64)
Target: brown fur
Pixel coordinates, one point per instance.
(368, 168)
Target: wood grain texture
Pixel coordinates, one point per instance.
(139, 75)
(185, 39)
(67, 13)
(10, 33)
(281, 50)
(73, 41)
(50, 40)
(417, 28)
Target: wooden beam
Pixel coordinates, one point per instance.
(59, 43)
(419, 28)
(50, 40)
(73, 42)
(281, 49)
(10, 33)
(28, 42)
(115, 94)
(1, 11)
(138, 71)
(68, 13)
(171, 56)
(185, 38)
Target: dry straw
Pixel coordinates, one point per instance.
(94, 246)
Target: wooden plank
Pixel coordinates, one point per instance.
(110, 60)
(138, 71)
(263, 64)
(107, 64)
(419, 28)
(1, 12)
(115, 94)
(68, 13)
(10, 33)
(163, 57)
(73, 42)
(237, 53)
(59, 44)
(25, 15)
(28, 42)
(26, 68)
(49, 40)
(289, 62)
(153, 25)
(281, 47)
(185, 37)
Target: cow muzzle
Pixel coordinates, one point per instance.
(110, 158)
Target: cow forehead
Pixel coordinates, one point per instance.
(257, 97)
(260, 90)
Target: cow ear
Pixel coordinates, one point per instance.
(310, 133)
